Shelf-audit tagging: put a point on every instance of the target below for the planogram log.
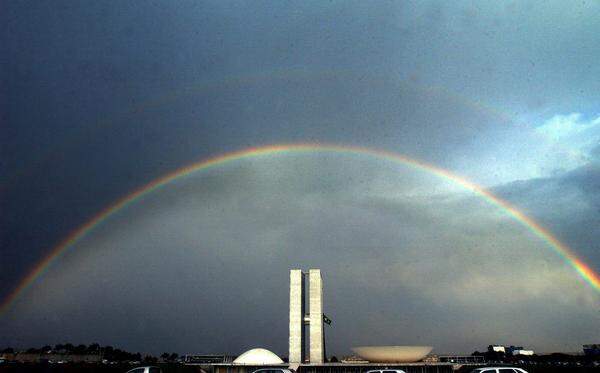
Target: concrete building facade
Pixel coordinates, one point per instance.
(317, 340)
(296, 337)
(298, 318)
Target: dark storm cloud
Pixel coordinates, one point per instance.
(567, 204)
(100, 99)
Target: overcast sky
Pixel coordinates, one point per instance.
(99, 99)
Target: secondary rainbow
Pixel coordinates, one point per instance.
(586, 272)
(287, 74)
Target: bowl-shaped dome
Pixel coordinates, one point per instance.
(392, 354)
(258, 356)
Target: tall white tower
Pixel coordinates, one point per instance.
(317, 351)
(298, 318)
(296, 353)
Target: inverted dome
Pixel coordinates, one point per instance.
(392, 354)
(258, 356)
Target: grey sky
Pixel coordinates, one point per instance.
(100, 99)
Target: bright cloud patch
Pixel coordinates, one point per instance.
(560, 144)
(573, 131)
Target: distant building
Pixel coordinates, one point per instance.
(511, 349)
(462, 359)
(207, 359)
(591, 350)
(496, 348)
(522, 352)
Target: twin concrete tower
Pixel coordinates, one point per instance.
(314, 318)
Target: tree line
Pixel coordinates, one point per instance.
(109, 353)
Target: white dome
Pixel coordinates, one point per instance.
(258, 356)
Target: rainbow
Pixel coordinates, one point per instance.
(72, 239)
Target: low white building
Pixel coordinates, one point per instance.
(498, 348)
(522, 352)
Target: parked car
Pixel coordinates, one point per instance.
(145, 370)
(499, 370)
(386, 371)
(272, 370)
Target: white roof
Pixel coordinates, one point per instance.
(258, 356)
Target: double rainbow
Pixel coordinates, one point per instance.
(586, 273)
